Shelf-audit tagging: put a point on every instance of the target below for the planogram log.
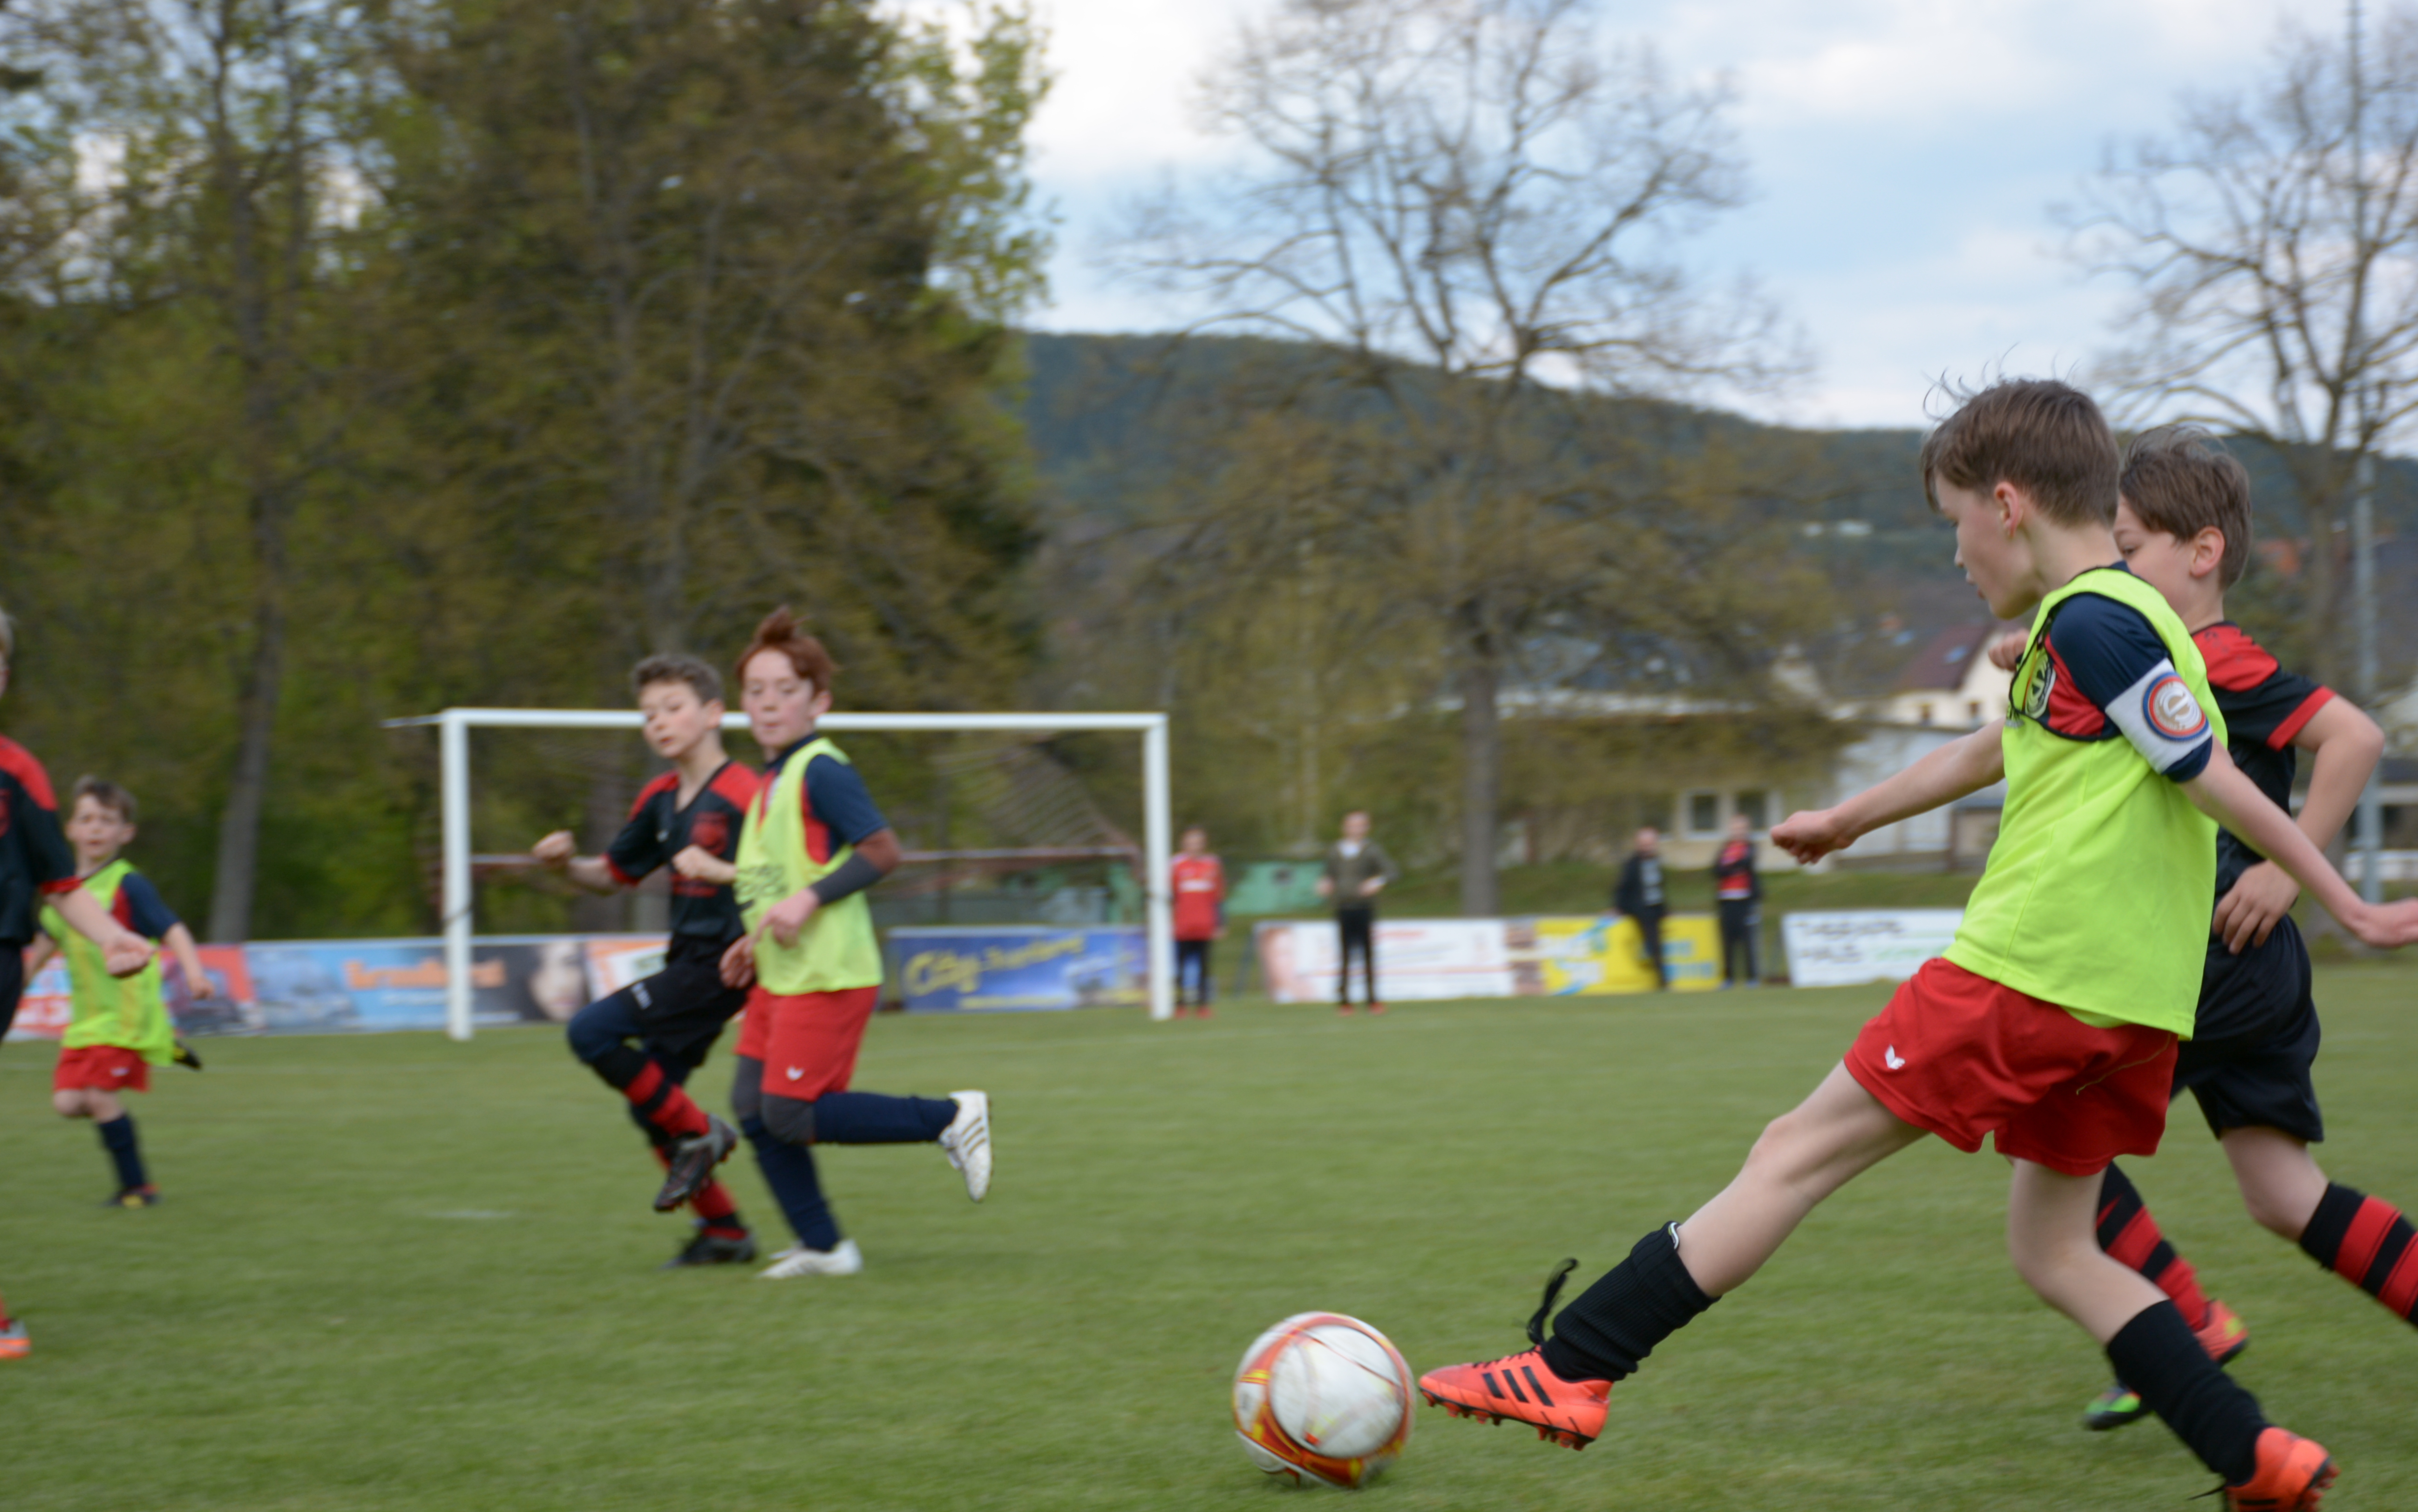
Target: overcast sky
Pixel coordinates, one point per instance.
(1903, 152)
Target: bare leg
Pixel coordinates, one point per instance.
(1804, 1155)
(2280, 1182)
(2052, 1236)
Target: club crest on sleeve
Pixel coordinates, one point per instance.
(2043, 681)
(2172, 711)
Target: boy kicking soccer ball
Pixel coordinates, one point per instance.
(2052, 1022)
(814, 843)
(119, 1027)
(645, 1039)
(2183, 524)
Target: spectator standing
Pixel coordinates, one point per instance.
(1199, 881)
(1737, 897)
(1357, 869)
(1639, 896)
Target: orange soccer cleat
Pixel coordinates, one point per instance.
(2292, 1476)
(2222, 1332)
(1524, 1388)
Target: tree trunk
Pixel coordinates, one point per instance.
(233, 884)
(1481, 785)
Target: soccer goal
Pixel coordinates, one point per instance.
(453, 728)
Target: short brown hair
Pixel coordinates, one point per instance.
(2181, 480)
(780, 632)
(672, 667)
(104, 792)
(7, 636)
(2046, 437)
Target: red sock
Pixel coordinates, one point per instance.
(664, 1104)
(2131, 1237)
(721, 1215)
(2369, 1243)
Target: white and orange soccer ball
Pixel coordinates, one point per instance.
(1324, 1396)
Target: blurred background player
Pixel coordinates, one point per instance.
(645, 1039)
(1198, 881)
(1737, 897)
(36, 864)
(1357, 869)
(119, 1027)
(1639, 894)
(2184, 524)
(813, 844)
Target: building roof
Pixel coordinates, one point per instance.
(1941, 666)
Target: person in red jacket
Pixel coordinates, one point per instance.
(1198, 881)
(1737, 893)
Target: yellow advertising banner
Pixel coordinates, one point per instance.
(1586, 956)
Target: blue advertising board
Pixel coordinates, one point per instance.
(1018, 968)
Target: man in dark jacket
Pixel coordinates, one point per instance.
(1357, 869)
(1738, 894)
(1639, 896)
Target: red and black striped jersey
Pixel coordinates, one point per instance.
(660, 829)
(35, 860)
(2265, 708)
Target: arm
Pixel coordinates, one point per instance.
(1963, 766)
(2232, 799)
(2343, 745)
(189, 957)
(705, 866)
(124, 951)
(875, 857)
(558, 853)
(40, 954)
(1386, 871)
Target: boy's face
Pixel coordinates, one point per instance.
(1987, 546)
(781, 705)
(2176, 568)
(1195, 842)
(677, 719)
(97, 833)
(1355, 826)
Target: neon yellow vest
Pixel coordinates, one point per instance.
(129, 1011)
(837, 948)
(2099, 888)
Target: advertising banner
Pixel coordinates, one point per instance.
(1584, 956)
(1017, 968)
(1852, 946)
(1418, 959)
(339, 986)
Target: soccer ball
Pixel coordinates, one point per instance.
(1323, 1395)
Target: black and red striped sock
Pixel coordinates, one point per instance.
(713, 1204)
(664, 1104)
(2367, 1241)
(2131, 1237)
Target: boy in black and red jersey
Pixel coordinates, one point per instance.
(2184, 527)
(38, 866)
(644, 1039)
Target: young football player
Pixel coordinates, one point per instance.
(2185, 526)
(119, 1027)
(814, 843)
(1199, 881)
(37, 866)
(645, 1039)
(1356, 870)
(2052, 1020)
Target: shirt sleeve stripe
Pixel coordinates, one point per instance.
(2297, 720)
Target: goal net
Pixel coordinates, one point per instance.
(1006, 832)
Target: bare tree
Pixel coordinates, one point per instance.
(1471, 205)
(2271, 244)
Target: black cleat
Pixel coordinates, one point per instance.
(186, 1058)
(713, 1249)
(693, 1162)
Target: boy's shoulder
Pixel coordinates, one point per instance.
(735, 784)
(24, 766)
(2235, 659)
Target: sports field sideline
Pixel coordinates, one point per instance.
(395, 1272)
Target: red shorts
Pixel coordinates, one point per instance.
(105, 1068)
(1962, 1056)
(808, 1040)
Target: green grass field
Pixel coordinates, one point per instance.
(398, 1273)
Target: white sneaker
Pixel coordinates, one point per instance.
(798, 1261)
(967, 1140)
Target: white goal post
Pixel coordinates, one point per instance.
(454, 729)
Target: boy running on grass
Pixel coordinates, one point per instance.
(814, 843)
(2052, 1022)
(119, 1027)
(2184, 527)
(644, 1039)
(36, 864)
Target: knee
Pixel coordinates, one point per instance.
(2049, 1262)
(2278, 1209)
(747, 1092)
(790, 1120)
(68, 1104)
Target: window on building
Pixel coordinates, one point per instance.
(1704, 812)
(1927, 713)
(1756, 808)
(1973, 709)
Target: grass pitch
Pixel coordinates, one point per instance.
(395, 1273)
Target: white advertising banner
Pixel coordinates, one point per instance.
(1418, 959)
(1851, 946)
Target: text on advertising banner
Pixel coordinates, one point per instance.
(1018, 967)
(1418, 959)
(1851, 946)
(1592, 955)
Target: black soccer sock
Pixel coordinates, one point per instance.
(790, 1171)
(1636, 1305)
(875, 1118)
(2367, 1242)
(2161, 1359)
(117, 1137)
